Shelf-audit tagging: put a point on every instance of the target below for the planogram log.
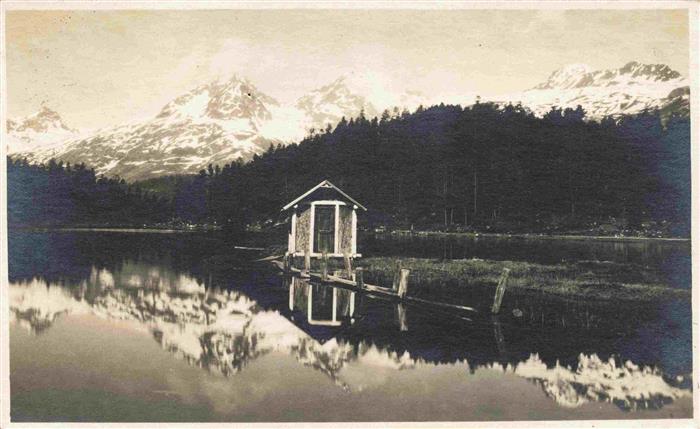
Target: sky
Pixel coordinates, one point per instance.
(104, 68)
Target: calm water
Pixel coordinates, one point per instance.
(156, 327)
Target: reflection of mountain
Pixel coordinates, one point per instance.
(223, 331)
(36, 306)
(628, 386)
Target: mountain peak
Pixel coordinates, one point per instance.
(235, 98)
(38, 130)
(565, 77)
(44, 120)
(329, 103)
(632, 73)
(655, 72)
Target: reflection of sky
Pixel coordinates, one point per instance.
(225, 331)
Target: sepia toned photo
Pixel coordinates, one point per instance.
(388, 213)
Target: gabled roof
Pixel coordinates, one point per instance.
(324, 184)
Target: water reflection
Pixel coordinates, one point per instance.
(628, 386)
(321, 305)
(337, 332)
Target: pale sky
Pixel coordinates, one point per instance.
(102, 68)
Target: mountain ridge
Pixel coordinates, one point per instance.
(229, 119)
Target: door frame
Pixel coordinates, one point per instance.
(312, 229)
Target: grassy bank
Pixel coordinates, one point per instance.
(581, 280)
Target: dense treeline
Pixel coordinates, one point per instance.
(480, 167)
(58, 195)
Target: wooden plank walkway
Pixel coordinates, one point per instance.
(380, 291)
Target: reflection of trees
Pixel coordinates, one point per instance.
(223, 331)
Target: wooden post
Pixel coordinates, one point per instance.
(324, 266)
(401, 317)
(307, 263)
(359, 278)
(397, 275)
(500, 290)
(348, 265)
(498, 334)
(403, 283)
(287, 262)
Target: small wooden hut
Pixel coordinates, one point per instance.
(323, 220)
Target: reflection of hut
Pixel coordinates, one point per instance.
(323, 220)
(323, 305)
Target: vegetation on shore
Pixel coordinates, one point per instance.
(591, 280)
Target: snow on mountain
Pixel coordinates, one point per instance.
(627, 90)
(236, 102)
(328, 104)
(43, 129)
(214, 123)
(565, 77)
(225, 120)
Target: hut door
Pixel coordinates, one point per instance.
(324, 229)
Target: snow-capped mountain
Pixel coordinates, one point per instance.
(328, 104)
(37, 131)
(214, 123)
(627, 90)
(225, 120)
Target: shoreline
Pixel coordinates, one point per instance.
(123, 230)
(527, 235)
(531, 235)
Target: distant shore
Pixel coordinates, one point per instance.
(530, 235)
(396, 232)
(127, 230)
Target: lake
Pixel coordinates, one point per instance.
(183, 327)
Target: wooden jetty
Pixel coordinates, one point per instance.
(323, 225)
(397, 293)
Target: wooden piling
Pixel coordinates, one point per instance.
(324, 267)
(348, 265)
(403, 283)
(500, 291)
(307, 264)
(287, 263)
(401, 317)
(397, 275)
(498, 335)
(359, 280)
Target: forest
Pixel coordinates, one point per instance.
(64, 195)
(478, 168)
